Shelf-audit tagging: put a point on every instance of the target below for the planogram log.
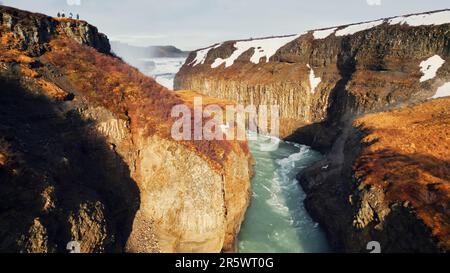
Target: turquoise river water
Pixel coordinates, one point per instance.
(276, 220)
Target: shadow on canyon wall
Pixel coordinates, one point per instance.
(321, 135)
(60, 181)
(335, 198)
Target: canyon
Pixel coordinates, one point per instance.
(86, 153)
(371, 97)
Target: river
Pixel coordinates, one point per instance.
(276, 221)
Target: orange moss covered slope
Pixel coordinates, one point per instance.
(409, 159)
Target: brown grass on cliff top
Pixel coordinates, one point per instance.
(111, 83)
(410, 159)
(188, 96)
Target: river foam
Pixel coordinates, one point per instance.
(277, 220)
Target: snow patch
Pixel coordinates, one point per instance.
(352, 29)
(313, 80)
(201, 55)
(437, 18)
(443, 91)
(267, 47)
(430, 67)
(262, 48)
(324, 33)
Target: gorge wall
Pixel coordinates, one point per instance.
(86, 152)
(324, 75)
(385, 177)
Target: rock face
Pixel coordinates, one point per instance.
(86, 152)
(30, 32)
(362, 68)
(385, 176)
(387, 179)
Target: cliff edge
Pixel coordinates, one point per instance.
(86, 153)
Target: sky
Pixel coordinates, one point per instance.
(193, 24)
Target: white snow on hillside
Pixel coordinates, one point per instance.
(426, 19)
(201, 55)
(437, 18)
(324, 33)
(262, 48)
(267, 47)
(313, 80)
(430, 67)
(352, 29)
(443, 91)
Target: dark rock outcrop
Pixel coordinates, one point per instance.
(53, 181)
(31, 31)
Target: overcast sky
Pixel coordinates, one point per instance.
(192, 24)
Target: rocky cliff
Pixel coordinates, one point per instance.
(86, 152)
(387, 179)
(385, 176)
(320, 76)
